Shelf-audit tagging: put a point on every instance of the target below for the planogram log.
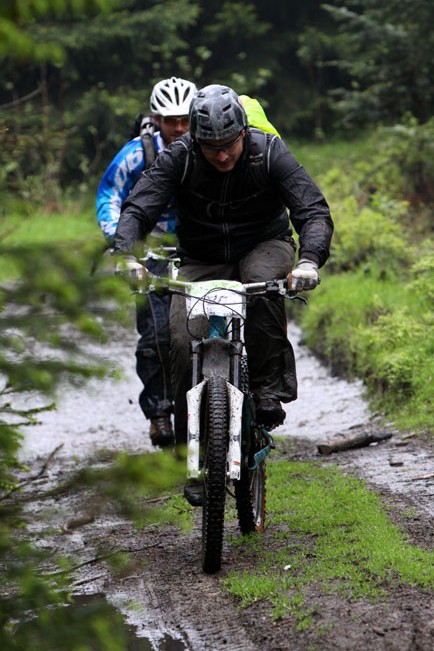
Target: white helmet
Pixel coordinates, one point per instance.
(172, 97)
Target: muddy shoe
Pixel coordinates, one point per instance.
(161, 431)
(269, 413)
(193, 492)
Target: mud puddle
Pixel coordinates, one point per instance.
(105, 413)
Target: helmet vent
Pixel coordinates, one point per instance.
(216, 113)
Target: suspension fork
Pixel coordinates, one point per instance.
(218, 330)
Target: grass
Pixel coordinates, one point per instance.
(75, 224)
(379, 329)
(327, 531)
(318, 157)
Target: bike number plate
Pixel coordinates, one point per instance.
(216, 297)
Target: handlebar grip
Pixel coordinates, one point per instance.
(289, 279)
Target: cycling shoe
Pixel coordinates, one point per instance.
(193, 492)
(269, 413)
(161, 431)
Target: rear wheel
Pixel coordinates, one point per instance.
(250, 493)
(216, 427)
(250, 488)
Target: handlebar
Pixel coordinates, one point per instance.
(270, 288)
(145, 283)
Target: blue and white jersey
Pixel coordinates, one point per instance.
(116, 183)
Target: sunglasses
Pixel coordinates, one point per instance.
(172, 121)
(218, 148)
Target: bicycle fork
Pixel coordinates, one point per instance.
(216, 356)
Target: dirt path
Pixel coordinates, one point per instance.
(176, 606)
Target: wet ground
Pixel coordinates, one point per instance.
(167, 600)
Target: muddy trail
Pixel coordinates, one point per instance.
(167, 602)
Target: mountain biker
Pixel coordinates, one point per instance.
(233, 185)
(169, 104)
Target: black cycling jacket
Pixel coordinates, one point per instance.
(222, 216)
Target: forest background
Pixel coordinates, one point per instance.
(349, 85)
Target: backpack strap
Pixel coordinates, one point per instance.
(135, 129)
(147, 128)
(259, 156)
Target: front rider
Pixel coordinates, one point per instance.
(233, 185)
(169, 104)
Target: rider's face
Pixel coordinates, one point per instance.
(172, 127)
(223, 154)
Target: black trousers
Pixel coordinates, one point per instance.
(152, 352)
(270, 354)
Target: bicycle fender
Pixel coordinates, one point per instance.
(194, 399)
(236, 400)
(216, 358)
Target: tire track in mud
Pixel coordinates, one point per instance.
(185, 604)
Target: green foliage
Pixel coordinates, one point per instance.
(365, 234)
(36, 609)
(52, 299)
(380, 328)
(30, 158)
(340, 540)
(75, 222)
(408, 147)
(64, 120)
(384, 54)
(15, 42)
(135, 478)
(372, 317)
(395, 355)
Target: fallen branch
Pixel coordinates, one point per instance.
(342, 442)
(430, 475)
(94, 578)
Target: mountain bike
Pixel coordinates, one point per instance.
(226, 448)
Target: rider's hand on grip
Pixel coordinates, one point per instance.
(128, 266)
(304, 276)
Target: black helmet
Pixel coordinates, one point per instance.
(216, 113)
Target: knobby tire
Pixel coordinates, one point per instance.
(216, 427)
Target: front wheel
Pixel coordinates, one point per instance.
(215, 428)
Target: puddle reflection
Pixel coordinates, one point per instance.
(133, 643)
(79, 621)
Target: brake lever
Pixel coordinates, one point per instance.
(296, 297)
